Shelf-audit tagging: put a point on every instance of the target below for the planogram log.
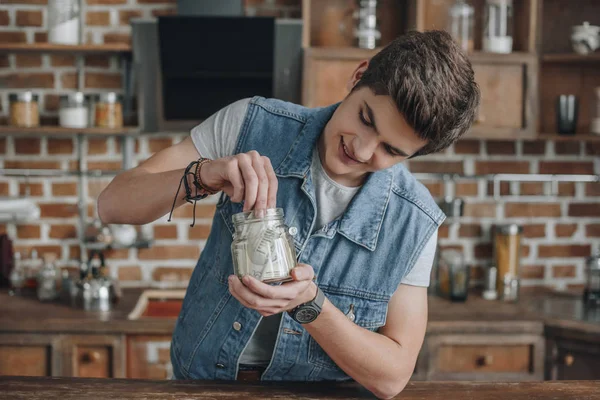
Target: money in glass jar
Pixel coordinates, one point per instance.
(263, 247)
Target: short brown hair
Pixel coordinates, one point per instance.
(432, 82)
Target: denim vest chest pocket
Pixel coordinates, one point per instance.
(369, 314)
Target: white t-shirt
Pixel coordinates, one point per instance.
(216, 137)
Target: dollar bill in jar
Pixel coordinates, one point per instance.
(263, 246)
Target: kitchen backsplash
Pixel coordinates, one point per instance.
(560, 231)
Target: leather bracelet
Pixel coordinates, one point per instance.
(198, 181)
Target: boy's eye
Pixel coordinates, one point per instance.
(390, 150)
(364, 120)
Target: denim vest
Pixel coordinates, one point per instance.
(359, 259)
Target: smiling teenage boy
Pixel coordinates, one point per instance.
(366, 229)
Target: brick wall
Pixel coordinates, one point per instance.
(559, 230)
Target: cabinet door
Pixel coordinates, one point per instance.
(30, 355)
(485, 357)
(575, 360)
(94, 356)
(148, 357)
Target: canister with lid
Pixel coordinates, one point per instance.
(24, 109)
(507, 254)
(74, 110)
(108, 110)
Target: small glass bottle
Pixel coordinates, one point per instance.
(498, 26)
(367, 32)
(24, 110)
(49, 280)
(507, 256)
(460, 26)
(108, 111)
(263, 247)
(63, 21)
(591, 293)
(32, 267)
(17, 275)
(74, 110)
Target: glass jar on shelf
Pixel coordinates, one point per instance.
(74, 110)
(460, 24)
(64, 19)
(108, 111)
(24, 110)
(498, 26)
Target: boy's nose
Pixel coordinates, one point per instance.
(364, 148)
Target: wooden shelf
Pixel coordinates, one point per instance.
(57, 130)
(578, 137)
(64, 48)
(571, 58)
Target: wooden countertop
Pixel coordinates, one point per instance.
(530, 315)
(79, 388)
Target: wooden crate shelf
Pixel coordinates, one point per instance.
(64, 48)
(571, 58)
(57, 130)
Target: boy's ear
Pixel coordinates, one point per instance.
(357, 74)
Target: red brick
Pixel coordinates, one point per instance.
(27, 146)
(74, 252)
(532, 272)
(30, 80)
(51, 102)
(565, 230)
(63, 232)
(64, 189)
(68, 80)
(13, 37)
(566, 148)
(130, 273)
(59, 210)
(99, 80)
(165, 232)
(117, 254)
(504, 189)
(93, 2)
(156, 145)
(41, 37)
(4, 18)
(566, 167)
(163, 12)
(537, 147)
(25, 2)
(60, 146)
(29, 18)
(436, 189)
(584, 210)
(104, 165)
(592, 230)
(469, 231)
(199, 232)
(501, 148)
(97, 61)
(501, 167)
(566, 189)
(117, 38)
(97, 146)
(172, 274)
(564, 271)
(451, 167)
(592, 148)
(169, 253)
(564, 251)
(592, 189)
(4, 189)
(532, 210)
(62, 60)
(35, 189)
(28, 231)
(97, 18)
(444, 232)
(126, 15)
(483, 250)
(532, 188)
(202, 211)
(467, 189)
(28, 60)
(480, 210)
(534, 230)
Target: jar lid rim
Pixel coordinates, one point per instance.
(248, 216)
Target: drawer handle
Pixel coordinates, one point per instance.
(90, 357)
(569, 360)
(485, 361)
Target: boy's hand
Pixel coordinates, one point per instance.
(269, 300)
(245, 176)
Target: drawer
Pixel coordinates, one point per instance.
(485, 358)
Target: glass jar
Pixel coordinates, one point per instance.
(48, 280)
(367, 31)
(507, 255)
(24, 110)
(74, 111)
(498, 26)
(108, 111)
(17, 275)
(591, 293)
(460, 26)
(63, 21)
(263, 247)
(454, 275)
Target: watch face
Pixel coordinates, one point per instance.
(306, 315)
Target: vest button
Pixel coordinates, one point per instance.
(293, 231)
(220, 366)
(237, 326)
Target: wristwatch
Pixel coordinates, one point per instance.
(309, 311)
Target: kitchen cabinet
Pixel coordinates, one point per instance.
(572, 356)
(30, 355)
(148, 357)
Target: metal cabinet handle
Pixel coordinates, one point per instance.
(569, 360)
(90, 357)
(486, 360)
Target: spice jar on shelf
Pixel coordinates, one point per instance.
(498, 26)
(507, 255)
(74, 110)
(24, 110)
(108, 111)
(460, 24)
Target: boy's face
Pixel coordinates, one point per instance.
(366, 133)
